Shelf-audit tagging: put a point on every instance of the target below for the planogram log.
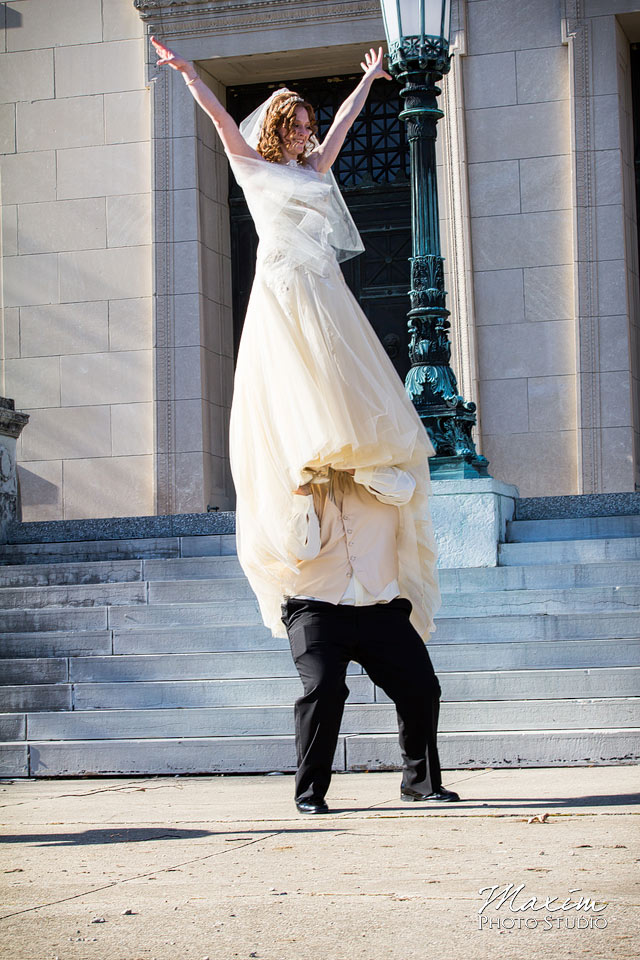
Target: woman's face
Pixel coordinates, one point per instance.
(295, 141)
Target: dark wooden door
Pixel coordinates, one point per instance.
(373, 174)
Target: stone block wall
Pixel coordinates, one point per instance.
(516, 84)
(618, 232)
(77, 265)
(549, 132)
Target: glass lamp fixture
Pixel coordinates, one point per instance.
(418, 30)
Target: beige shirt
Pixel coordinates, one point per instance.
(347, 547)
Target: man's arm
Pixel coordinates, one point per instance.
(304, 527)
(388, 484)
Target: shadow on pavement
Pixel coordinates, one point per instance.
(471, 803)
(141, 834)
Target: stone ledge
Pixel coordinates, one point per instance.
(581, 505)
(208, 524)
(122, 528)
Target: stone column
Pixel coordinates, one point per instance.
(11, 425)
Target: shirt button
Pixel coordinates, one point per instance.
(352, 558)
(349, 531)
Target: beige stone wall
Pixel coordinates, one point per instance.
(76, 255)
(620, 231)
(518, 144)
(553, 242)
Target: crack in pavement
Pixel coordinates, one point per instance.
(140, 876)
(59, 796)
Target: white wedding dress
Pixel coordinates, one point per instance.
(315, 388)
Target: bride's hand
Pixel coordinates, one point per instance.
(373, 65)
(165, 55)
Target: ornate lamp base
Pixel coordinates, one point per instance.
(458, 468)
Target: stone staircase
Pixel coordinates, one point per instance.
(144, 653)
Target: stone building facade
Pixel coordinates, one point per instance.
(117, 321)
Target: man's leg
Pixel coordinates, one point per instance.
(318, 645)
(395, 657)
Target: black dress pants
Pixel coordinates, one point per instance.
(324, 637)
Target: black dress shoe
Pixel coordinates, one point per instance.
(438, 796)
(312, 806)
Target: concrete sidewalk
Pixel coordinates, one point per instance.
(224, 867)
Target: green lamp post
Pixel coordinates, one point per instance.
(418, 40)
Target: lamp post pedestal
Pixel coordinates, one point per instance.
(470, 520)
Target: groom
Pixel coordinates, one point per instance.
(347, 606)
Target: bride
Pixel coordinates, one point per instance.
(314, 390)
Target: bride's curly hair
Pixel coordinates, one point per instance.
(282, 112)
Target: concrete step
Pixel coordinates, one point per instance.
(551, 576)
(71, 596)
(13, 726)
(129, 617)
(578, 528)
(73, 644)
(533, 602)
(278, 720)
(88, 551)
(521, 627)
(119, 571)
(185, 615)
(204, 578)
(500, 629)
(582, 600)
(198, 602)
(184, 666)
(58, 574)
(199, 591)
(21, 698)
(34, 670)
(542, 748)
(541, 589)
(446, 657)
(544, 684)
(85, 632)
(532, 684)
(198, 693)
(570, 551)
(221, 638)
(116, 594)
(60, 619)
(272, 753)
(14, 760)
(193, 568)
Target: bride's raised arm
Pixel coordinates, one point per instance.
(323, 157)
(232, 140)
